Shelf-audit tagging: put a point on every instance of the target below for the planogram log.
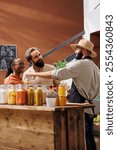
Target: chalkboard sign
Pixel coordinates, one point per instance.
(7, 53)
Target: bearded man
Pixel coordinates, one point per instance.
(34, 57)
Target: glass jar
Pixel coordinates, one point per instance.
(38, 96)
(62, 90)
(62, 94)
(62, 100)
(11, 94)
(30, 95)
(44, 90)
(21, 95)
(3, 94)
(29, 80)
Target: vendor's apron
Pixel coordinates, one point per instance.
(76, 97)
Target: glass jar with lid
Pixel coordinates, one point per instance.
(62, 90)
(21, 95)
(11, 94)
(62, 94)
(3, 94)
(38, 96)
(30, 95)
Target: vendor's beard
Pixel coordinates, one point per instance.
(39, 64)
(79, 55)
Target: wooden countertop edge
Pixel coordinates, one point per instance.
(45, 108)
(84, 105)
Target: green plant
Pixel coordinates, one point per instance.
(61, 64)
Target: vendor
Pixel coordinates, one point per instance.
(86, 79)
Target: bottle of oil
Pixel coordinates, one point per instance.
(38, 96)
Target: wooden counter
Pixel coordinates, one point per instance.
(42, 128)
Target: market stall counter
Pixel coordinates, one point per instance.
(42, 127)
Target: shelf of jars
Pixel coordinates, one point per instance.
(32, 95)
(25, 96)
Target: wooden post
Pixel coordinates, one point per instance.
(60, 121)
(76, 132)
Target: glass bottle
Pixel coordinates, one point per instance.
(44, 90)
(57, 99)
(30, 95)
(25, 87)
(11, 94)
(38, 96)
(62, 94)
(3, 94)
(62, 100)
(62, 90)
(21, 95)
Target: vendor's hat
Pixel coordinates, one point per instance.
(86, 44)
